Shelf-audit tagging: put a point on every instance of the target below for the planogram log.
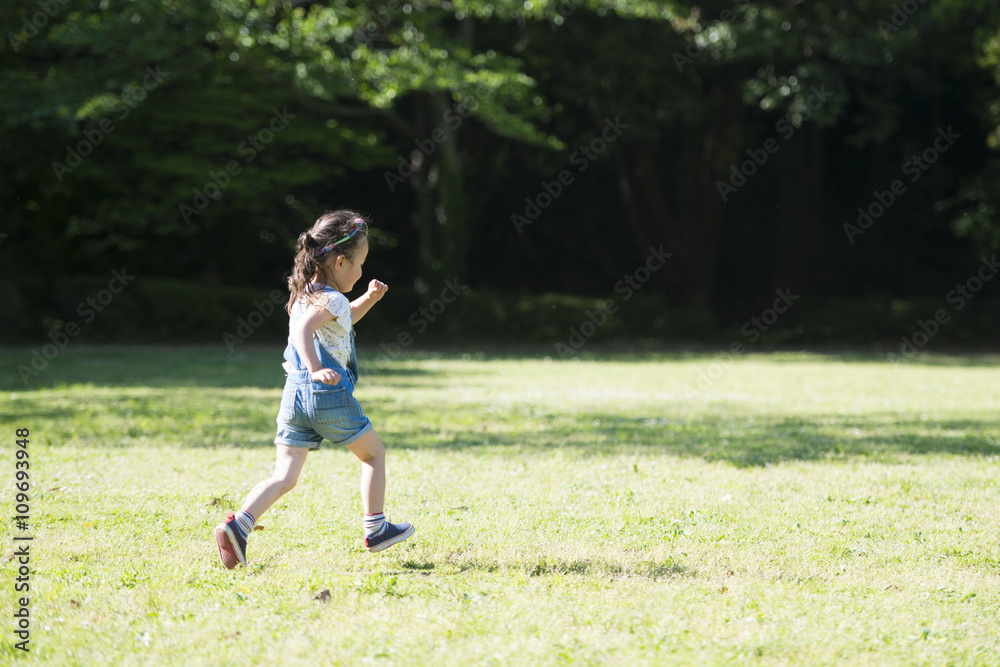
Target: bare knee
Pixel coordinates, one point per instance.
(287, 468)
(373, 455)
(284, 481)
(369, 449)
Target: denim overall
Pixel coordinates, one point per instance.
(326, 360)
(311, 411)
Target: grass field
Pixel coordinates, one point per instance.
(798, 509)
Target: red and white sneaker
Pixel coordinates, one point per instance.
(232, 542)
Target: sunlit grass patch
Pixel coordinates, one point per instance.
(800, 509)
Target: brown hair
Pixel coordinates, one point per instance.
(313, 250)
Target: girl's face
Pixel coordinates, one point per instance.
(346, 271)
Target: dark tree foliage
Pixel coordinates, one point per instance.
(843, 149)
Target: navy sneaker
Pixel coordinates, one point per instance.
(394, 533)
(232, 543)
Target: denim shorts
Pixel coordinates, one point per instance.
(311, 411)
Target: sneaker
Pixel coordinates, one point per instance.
(232, 544)
(393, 534)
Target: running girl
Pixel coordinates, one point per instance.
(322, 368)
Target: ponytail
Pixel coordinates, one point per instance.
(334, 234)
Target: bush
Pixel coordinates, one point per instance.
(172, 311)
(163, 311)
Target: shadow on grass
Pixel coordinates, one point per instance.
(228, 419)
(743, 441)
(147, 366)
(260, 367)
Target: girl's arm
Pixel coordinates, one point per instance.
(301, 333)
(364, 303)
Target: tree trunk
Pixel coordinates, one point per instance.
(685, 213)
(444, 234)
(798, 240)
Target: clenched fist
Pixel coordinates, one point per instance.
(326, 375)
(377, 289)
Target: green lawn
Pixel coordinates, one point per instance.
(798, 509)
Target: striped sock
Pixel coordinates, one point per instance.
(374, 524)
(245, 521)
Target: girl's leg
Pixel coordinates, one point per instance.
(370, 450)
(286, 473)
(379, 534)
(231, 535)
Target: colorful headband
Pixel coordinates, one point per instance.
(359, 223)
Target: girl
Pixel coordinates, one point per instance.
(322, 368)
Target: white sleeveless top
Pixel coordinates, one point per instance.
(335, 335)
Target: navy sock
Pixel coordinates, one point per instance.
(245, 522)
